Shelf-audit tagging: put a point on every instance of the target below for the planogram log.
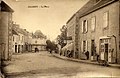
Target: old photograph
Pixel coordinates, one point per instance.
(59, 38)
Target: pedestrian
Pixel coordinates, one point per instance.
(87, 54)
(60, 52)
(97, 56)
(72, 51)
(76, 53)
(50, 51)
(35, 49)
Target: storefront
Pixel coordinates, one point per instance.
(107, 49)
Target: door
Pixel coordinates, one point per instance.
(93, 50)
(106, 52)
(15, 48)
(18, 48)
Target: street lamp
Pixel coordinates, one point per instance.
(115, 46)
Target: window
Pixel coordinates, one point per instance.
(93, 48)
(13, 38)
(36, 41)
(105, 20)
(84, 46)
(22, 38)
(84, 26)
(19, 37)
(93, 23)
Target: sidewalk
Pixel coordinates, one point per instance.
(84, 61)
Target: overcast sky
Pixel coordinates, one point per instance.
(48, 19)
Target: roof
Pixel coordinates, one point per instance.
(14, 32)
(20, 30)
(92, 6)
(71, 18)
(5, 7)
(84, 8)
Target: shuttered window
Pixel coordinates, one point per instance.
(84, 26)
(93, 23)
(105, 19)
(84, 46)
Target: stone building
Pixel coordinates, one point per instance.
(39, 43)
(18, 39)
(95, 28)
(99, 31)
(29, 42)
(5, 31)
(21, 39)
(15, 40)
(71, 23)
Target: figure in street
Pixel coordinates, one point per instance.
(36, 49)
(87, 54)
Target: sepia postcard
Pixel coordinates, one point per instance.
(59, 38)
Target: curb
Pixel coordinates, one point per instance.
(79, 61)
(74, 60)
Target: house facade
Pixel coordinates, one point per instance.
(18, 39)
(22, 39)
(29, 42)
(39, 43)
(72, 32)
(15, 39)
(99, 31)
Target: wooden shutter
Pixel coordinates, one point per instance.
(86, 48)
(86, 26)
(82, 26)
(93, 23)
(82, 46)
(105, 19)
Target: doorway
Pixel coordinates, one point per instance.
(93, 49)
(18, 48)
(15, 48)
(106, 52)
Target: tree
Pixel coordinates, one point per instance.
(50, 45)
(62, 38)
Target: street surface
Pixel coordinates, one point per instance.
(45, 65)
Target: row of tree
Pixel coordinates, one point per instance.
(51, 46)
(61, 39)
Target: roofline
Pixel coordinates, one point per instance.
(71, 18)
(10, 9)
(102, 6)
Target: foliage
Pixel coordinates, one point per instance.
(51, 45)
(63, 36)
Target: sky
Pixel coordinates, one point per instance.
(45, 15)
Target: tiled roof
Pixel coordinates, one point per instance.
(92, 6)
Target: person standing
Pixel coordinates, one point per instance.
(87, 54)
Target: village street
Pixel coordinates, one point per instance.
(45, 65)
